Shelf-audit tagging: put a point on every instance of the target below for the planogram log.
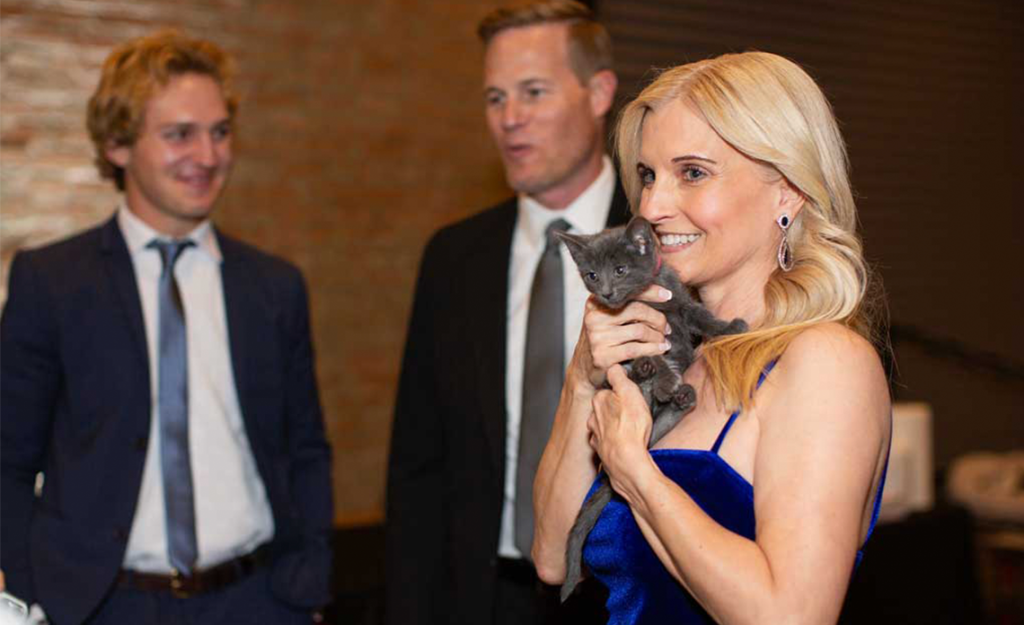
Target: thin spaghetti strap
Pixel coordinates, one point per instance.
(732, 417)
(881, 485)
(725, 430)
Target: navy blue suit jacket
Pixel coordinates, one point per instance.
(75, 405)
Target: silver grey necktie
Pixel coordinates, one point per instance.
(172, 398)
(543, 369)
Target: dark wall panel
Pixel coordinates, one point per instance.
(928, 95)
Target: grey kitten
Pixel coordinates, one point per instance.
(617, 265)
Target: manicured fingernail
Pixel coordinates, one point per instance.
(668, 329)
(665, 294)
(666, 346)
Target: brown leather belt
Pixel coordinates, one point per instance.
(207, 580)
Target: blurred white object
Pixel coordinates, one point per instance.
(12, 610)
(910, 481)
(990, 484)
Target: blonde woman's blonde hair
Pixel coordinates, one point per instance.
(770, 110)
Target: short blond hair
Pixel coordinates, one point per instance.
(771, 110)
(590, 46)
(132, 72)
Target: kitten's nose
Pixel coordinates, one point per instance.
(608, 295)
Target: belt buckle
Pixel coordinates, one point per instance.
(177, 583)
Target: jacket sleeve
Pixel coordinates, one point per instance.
(309, 457)
(30, 381)
(415, 532)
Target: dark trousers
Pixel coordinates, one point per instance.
(247, 601)
(520, 598)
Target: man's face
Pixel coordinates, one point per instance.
(546, 124)
(179, 163)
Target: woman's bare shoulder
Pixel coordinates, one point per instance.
(830, 364)
(831, 348)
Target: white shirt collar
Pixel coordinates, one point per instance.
(587, 214)
(138, 234)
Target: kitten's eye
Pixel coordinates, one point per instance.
(591, 276)
(620, 270)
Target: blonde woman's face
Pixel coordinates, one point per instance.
(713, 208)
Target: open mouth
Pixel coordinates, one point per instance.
(518, 150)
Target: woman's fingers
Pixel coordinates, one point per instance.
(617, 336)
(655, 293)
(617, 378)
(605, 404)
(622, 422)
(608, 356)
(636, 330)
(633, 312)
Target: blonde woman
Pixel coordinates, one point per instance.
(755, 507)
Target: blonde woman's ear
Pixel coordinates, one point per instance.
(791, 200)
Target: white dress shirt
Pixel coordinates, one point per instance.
(232, 513)
(587, 214)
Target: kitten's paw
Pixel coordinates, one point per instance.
(685, 398)
(644, 368)
(666, 386)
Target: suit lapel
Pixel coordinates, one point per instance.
(619, 213)
(491, 325)
(238, 298)
(121, 272)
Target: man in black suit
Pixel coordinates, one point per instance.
(160, 376)
(454, 551)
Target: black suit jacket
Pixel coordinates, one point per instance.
(75, 404)
(446, 470)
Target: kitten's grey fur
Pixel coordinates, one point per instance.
(617, 265)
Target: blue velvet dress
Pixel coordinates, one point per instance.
(641, 591)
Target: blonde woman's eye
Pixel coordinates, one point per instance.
(646, 175)
(693, 174)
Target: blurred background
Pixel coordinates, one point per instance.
(361, 132)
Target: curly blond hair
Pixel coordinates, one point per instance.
(132, 72)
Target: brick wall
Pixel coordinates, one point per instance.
(360, 132)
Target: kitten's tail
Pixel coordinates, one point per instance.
(585, 522)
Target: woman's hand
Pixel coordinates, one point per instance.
(619, 430)
(610, 337)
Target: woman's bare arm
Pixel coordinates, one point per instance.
(568, 465)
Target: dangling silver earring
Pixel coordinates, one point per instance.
(785, 254)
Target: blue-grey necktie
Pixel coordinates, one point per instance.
(543, 369)
(172, 398)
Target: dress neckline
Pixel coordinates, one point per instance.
(674, 451)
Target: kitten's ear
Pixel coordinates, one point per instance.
(576, 243)
(640, 233)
